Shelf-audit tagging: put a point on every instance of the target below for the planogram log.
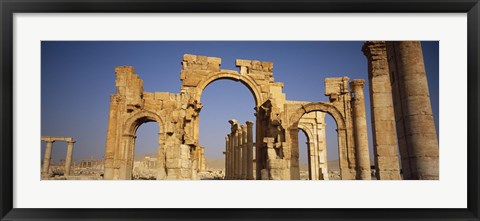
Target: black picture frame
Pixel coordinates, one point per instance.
(9, 7)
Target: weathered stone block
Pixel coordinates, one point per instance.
(162, 96)
(240, 62)
(202, 59)
(173, 163)
(189, 57)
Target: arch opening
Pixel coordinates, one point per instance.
(222, 101)
(302, 119)
(305, 154)
(244, 79)
(144, 163)
(57, 160)
(332, 148)
(145, 150)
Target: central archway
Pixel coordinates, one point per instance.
(235, 76)
(222, 100)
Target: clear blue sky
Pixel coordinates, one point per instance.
(78, 78)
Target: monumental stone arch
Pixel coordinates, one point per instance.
(278, 120)
(176, 114)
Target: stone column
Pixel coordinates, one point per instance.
(244, 152)
(381, 106)
(68, 158)
(227, 157)
(249, 150)
(421, 142)
(232, 156)
(311, 159)
(360, 130)
(235, 155)
(203, 163)
(47, 157)
(239, 156)
(322, 147)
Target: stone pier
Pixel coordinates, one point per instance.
(413, 112)
(361, 132)
(381, 106)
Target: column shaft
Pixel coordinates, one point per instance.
(231, 157)
(417, 123)
(227, 157)
(381, 107)
(68, 158)
(239, 156)
(249, 150)
(235, 155)
(312, 162)
(244, 152)
(47, 157)
(360, 130)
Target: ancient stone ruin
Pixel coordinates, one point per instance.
(399, 98)
(399, 103)
(48, 154)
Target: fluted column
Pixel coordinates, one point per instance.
(249, 150)
(47, 157)
(244, 152)
(360, 130)
(68, 158)
(382, 114)
(413, 110)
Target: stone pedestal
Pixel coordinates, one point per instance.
(360, 128)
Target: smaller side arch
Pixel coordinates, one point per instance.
(322, 107)
(133, 122)
(310, 154)
(127, 143)
(341, 132)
